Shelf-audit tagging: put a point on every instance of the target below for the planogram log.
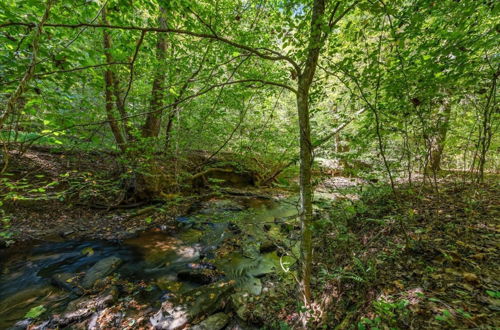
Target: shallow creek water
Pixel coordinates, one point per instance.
(152, 256)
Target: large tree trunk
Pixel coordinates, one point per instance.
(437, 142)
(153, 120)
(108, 90)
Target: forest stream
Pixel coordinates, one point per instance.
(46, 274)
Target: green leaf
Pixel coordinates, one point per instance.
(172, 90)
(88, 251)
(494, 294)
(35, 312)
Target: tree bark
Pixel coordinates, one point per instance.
(486, 131)
(108, 89)
(305, 79)
(437, 141)
(306, 194)
(120, 105)
(153, 120)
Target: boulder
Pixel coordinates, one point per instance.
(213, 322)
(67, 282)
(100, 270)
(267, 246)
(207, 299)
(21, 325)
(170, 318)
(200, 276)
(239, 303)
(237, 324)
(82, 308)
(192, 306)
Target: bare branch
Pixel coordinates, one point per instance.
(39, 75)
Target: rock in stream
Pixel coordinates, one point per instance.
(192, 306)
(100, 270)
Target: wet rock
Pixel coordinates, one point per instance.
(169, 318)
(100, 270)
(82, 308)
(222, 205)
(169, 283)
(213, 322)
(21, 325)
(67, 282)
(42, 326)
(200, 276)
(66, 233)
(192, 306)
(201, 265)
(237, 324)
(240, 302)
(207, 299)
(267, 246)
(108, 318)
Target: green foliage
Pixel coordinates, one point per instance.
(360, 272)
(91, 188)
(5, 233)
(388, 314)
(245, 272)
(493, 294)
(35, 312)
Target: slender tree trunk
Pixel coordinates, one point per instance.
(306, 193)
(486, 129)
(168, 129)
(153, 120)
(305, 79)
(108, 90)
(120, 106)
(122, 126)
(437, 141)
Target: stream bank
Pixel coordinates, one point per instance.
(216, 260)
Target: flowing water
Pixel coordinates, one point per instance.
(153, 256)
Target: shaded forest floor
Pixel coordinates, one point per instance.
(418, 260)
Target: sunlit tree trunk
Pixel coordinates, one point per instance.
(306, 190)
